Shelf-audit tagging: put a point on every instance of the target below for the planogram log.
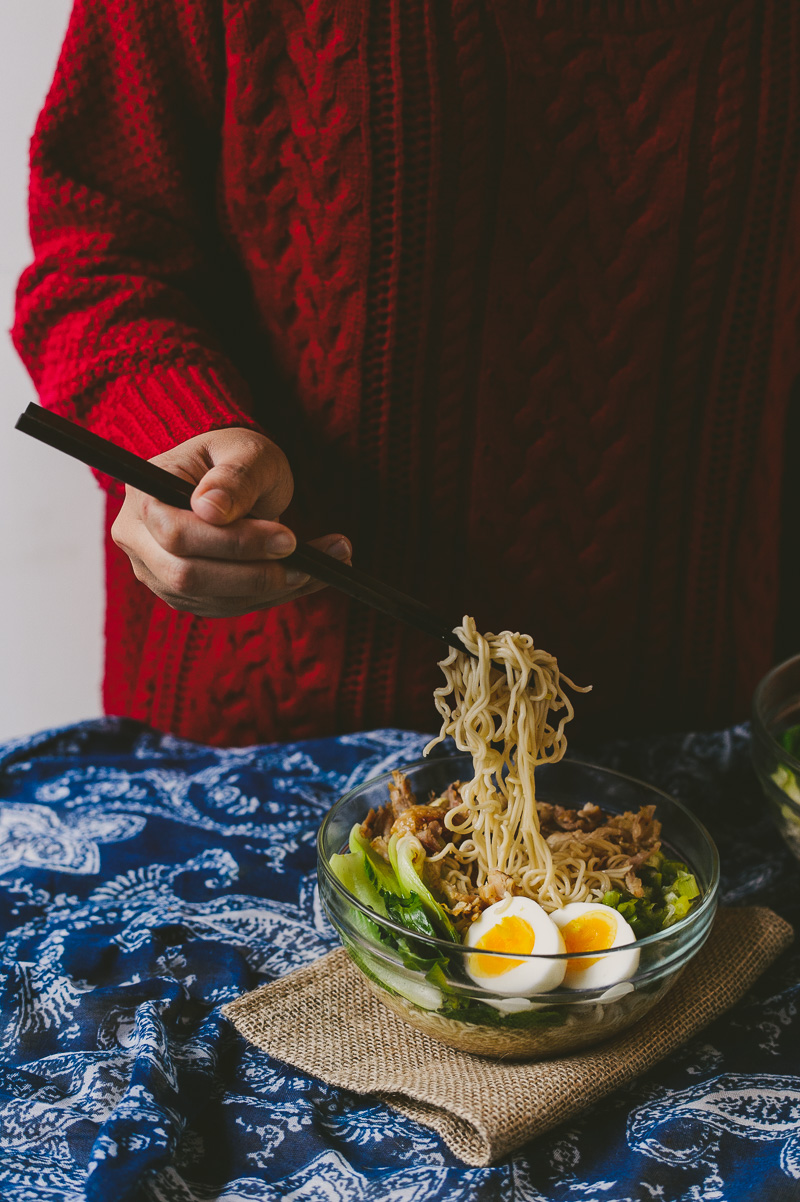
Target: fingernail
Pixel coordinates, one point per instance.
(219, 499)
(280, 544)
(295, 579)
(340, 549)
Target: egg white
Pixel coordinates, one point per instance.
(600, 971)
(532, 976)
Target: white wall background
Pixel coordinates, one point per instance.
(51, 589)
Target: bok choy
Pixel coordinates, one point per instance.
(396, 891)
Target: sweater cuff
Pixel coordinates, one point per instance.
(150, 414)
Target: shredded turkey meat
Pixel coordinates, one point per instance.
(497, 886)
(403, 814)
(426, 823)
(400, 795)
(379, 824)
(557, 818)
(633, 835)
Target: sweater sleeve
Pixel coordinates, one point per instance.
(116, 315)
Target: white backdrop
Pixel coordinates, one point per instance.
(51, 591)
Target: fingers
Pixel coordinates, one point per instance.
(182, 533)
(222, 558)
(224, 588)
(246, 474)
(190, 576)
(335, 545)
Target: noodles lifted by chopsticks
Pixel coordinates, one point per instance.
(510, 722)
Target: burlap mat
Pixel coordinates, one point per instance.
(325, 1021)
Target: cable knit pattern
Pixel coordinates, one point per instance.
(513, 283)
(714, 167)
(584, 276)
(732, 559)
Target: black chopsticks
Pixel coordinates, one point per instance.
(114, 461)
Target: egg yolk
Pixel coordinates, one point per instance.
(510, 934)
(591, 932)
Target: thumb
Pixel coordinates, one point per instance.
(248, 474)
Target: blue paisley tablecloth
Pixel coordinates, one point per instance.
(144, 881)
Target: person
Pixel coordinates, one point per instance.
(498, 297)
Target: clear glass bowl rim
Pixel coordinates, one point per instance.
(759, 724)
(691, 919)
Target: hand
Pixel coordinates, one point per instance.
(215, 561)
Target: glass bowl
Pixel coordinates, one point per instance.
(776, 708)
(450, 1007)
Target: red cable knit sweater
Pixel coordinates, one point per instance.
(514, 284)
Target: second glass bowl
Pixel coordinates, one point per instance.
(775, 747)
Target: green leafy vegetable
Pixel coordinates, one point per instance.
(347, 870)
(409, 912)
(669, 890)
(470, 1010)
(407, 854)
(784, 777)
(374, 883)
(420, 992)
(352, 872)
(789, 740)
(786, 780)
(382, 871)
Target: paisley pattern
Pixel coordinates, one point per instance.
(679, 1130)
(144, 881)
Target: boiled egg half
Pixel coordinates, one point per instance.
(515, 924)
(593, 927)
